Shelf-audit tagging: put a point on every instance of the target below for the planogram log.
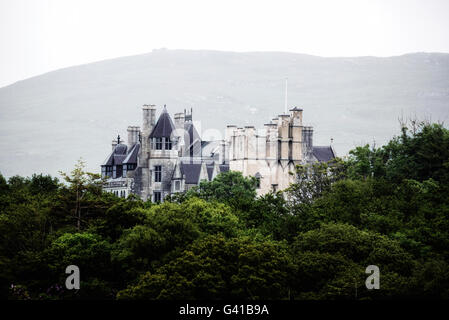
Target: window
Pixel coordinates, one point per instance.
(157, 196)
(157, 173)
(168, 144)
(125, 169)
(114, 172)
(108, 171)
(177, 185)
(158, 143)
(258, 177)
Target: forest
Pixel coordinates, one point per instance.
(386, 206)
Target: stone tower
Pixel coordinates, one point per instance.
(148, 123)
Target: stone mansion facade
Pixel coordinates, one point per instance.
(165, 157)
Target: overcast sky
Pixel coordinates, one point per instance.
(38, 36)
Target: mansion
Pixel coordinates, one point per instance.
(165, 157)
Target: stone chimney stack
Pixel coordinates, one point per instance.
(271, 146)
(284, 137)
(148, 122)
(133, 136)
(149, 118)
(179, 120)
(307, 141)
(297, 152)
(230, 141)
(222, 155)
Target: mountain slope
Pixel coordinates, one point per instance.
(49, 121)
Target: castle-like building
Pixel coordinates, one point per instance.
(167, 157)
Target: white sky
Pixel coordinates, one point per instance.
(37, 36)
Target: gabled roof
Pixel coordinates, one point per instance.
(323, 154)
(210, 171)
(118, 159)
(131, 158)
(191, 172)
(163, 127)
(112, 159)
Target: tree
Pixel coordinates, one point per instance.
(228, 187)
(312, 180)
(218, 268)
(331, 261)
(81, 184)
(91, 254)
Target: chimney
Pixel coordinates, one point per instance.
(179, 120)
(133, 136)
(296, 115)
(149, 119)
(307, 139)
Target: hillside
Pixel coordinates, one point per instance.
(49, 121)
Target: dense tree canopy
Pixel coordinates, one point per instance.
(386, 206)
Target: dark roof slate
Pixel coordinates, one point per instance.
(191, 172)
(118, 159)
(164, 126)
(119, 150)
(131, 158)
(210, 171)
(323, 154)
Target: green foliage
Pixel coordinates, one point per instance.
(229, 187)
(216, 267)
(91, 254)
(385, 206)
(339, 253)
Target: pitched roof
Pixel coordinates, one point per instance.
(192, 140)
(323, 154)
(163, 127)
(210, 171)
(112, 159)
(210, 149)
(132, 155)
(191, 172)
(118, 159)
